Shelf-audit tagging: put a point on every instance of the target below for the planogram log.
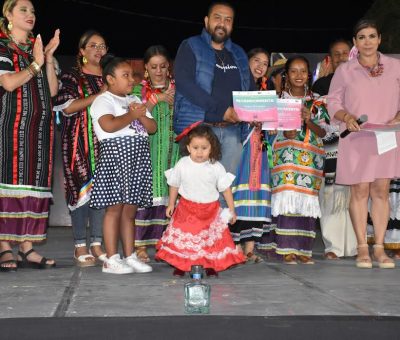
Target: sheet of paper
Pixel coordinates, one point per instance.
(386, 141)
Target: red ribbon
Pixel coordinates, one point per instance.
(187, 130)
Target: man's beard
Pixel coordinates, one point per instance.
(217, 38)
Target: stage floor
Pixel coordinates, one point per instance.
(328, 288)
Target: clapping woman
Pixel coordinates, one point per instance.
(28, 81)
(157, 91)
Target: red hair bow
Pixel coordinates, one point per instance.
(187, 130)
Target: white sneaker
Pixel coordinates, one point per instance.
(137, 265)
(115, 265)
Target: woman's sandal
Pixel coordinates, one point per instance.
(384, 262)
(305, 259)
(253, 258)
(363, 261)
(290, 259)
(11, 261)
(25, 263)
(142, 255)
(84, 260)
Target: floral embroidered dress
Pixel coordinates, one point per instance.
(198, 232)
(80, 146)
(296, 179)
(164, 152)
(26, 148)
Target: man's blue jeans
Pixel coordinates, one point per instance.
(231, 148)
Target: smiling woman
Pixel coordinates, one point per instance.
(157, 91)
(80, 146)
(367, 84)
(28, 81)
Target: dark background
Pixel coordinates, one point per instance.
(131, 26)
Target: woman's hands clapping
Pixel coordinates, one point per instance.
(167, 96)
(40, 54)
(52, 45)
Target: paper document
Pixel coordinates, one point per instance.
(386, 141)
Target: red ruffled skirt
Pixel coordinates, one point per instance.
(196, 235)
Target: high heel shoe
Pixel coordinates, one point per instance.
(363, 261)
(384, 262)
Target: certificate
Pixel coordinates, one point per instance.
(256, 106)
(289, 114)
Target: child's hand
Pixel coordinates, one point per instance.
(291, 134)
(137, 110)
(170, 210)
(234, 217)
(305, 114)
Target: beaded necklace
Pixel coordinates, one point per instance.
(22, 46)
(373, 71)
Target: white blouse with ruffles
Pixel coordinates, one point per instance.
(199, 182)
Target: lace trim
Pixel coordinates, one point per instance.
(206, 238)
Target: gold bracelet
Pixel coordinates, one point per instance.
(35, 66)
(32, 70)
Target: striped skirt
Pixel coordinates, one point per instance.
(291, 234)
(24, 212)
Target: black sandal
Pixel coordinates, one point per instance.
(7, 269)
(25, 263)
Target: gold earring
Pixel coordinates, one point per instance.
(146, 75)
(84, 60)
(10, 26)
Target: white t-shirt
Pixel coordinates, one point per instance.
(108, 103)
(199, 182)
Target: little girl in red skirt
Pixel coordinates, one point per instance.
(198, 233)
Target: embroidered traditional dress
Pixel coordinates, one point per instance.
(252, 191)
(151, 222)
(80, 147)
(197, 232)
(296, 179)
(26, 142)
